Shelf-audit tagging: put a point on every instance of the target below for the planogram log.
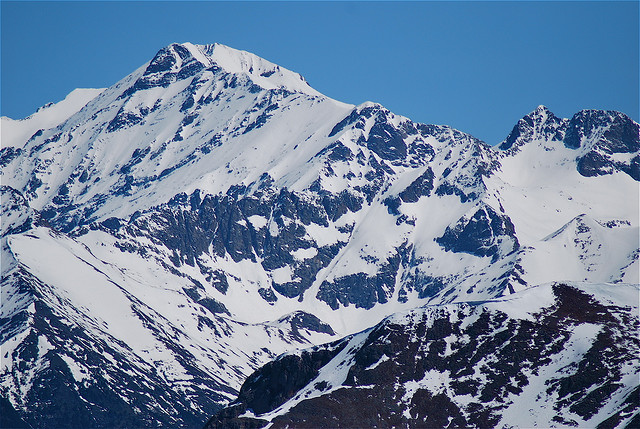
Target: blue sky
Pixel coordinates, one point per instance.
(477, 66)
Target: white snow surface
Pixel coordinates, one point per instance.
(16, 131)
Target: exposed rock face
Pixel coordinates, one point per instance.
(77, 369)
(541, 124)
(610, 140)
(17, 215)
(9, 417)
(422, 186)
(485, 233)
(491, 364)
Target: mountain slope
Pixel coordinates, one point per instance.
(118, 153)
(211, 211)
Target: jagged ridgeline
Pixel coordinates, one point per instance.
(165, 237)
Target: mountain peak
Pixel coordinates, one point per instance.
(613, 130)
(186, 59)
(541, 109)
(540, 124)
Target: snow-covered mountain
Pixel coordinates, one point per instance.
(166, 236)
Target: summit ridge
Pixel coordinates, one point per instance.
(185, 56)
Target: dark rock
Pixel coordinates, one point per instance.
(621, 136)
(193, 225)
(361, 289)
(229, 418)
(392, 204)
(633, 169)
(279, 380)
(9, 417)
(268, 295)
(337, 205)
(386, 141)
(22, 215)
(594, 164)
(349, 120)
(163, 61)
(303, 320)
(481, 235)
(217, 278)
(188, 103)
(422, 186)
(112, 223)
(541, 123)
(8, 154)
(214, 306)
(629, 406)
(446, 188)
(124, 119)
(57, 399)
(336, 152)
(162, 71)
(136, 157)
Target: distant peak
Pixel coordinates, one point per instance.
(612, 131)
(540, 123)
(540, 112)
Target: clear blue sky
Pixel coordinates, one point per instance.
(478, 66)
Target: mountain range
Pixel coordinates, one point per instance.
(211, 240)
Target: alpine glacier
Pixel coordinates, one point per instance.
(165, 237)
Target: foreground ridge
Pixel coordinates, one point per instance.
(551, 355)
